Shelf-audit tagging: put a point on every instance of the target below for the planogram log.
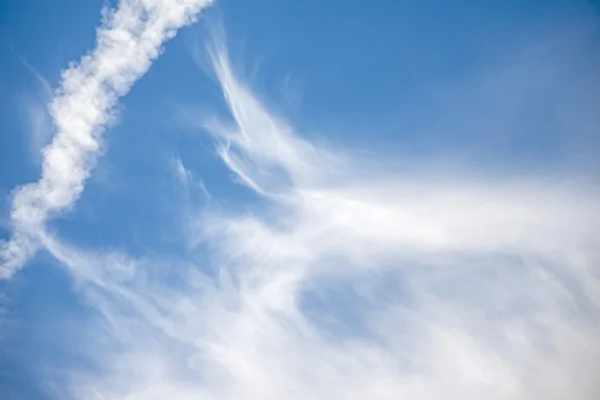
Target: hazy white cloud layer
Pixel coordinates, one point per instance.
(347, 285)
(127, 42)
(343, 281)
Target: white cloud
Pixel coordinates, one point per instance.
(35, 115)
(347, 286)
(127, 42)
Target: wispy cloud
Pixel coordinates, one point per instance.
(31, 69)
(129, 39)
(342, 285)
(35, 114)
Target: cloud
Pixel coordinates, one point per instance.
(39, 77)
(33, 108)
(36, 115)
(127, 42)
(347, 285)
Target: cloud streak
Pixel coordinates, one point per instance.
(343, 285)
(127, 42)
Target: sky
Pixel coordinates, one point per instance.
(299, 200)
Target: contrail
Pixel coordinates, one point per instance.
(128, 40)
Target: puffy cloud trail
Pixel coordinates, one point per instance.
(127, 42)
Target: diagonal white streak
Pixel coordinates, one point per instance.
(128, 40)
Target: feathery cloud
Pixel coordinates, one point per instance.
(348, 286)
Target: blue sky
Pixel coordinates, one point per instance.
(299, 199)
